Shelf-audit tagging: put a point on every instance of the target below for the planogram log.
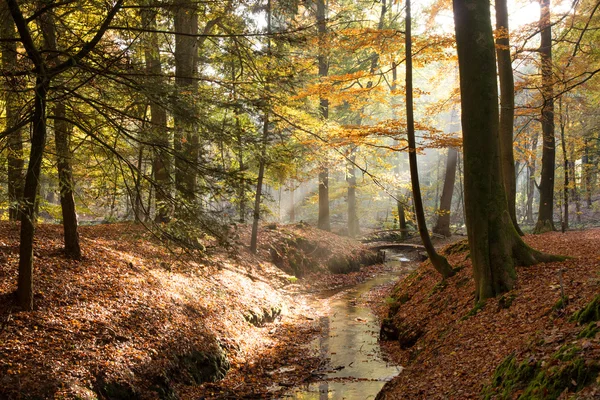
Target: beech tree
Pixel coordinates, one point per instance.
(495, 246)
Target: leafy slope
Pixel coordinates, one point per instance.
(460, 347)
(131, 317)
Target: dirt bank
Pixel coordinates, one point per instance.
(531, 342)
(136, 320)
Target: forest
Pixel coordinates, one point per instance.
(193, 194)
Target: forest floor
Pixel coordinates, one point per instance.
(531, 342)
(134, 319)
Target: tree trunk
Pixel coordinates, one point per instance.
(400, 198)
(14, 145)
(62, 133)
(531, 167)
(587, 172)
(563, 122)
(323, 222)
(495, 245)
(185, 118)
(545, 221)
(159, 134)
(353, 226)
(259, 184)
(32, 183)
(439, 262)
(442, 226)
(507, 109)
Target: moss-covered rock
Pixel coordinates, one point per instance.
(259, 317)
(115, 390)
(198, 367)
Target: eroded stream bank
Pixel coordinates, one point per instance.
(352, 366)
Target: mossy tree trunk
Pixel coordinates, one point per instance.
(495, 245)
(439, 262)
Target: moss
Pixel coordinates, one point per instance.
(478, 307)
(440, 286)
(506, 300)
(509, 377)
(589, 313)
(549, 383)
(566, 353)
(565, 371)
(199, 367)
(589, 331)
(461, 246)
(559, 305)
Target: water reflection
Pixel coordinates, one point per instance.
(355, 368)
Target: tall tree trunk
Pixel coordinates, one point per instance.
(14, 146)
(159, 134)
(495, 245)
(62, 134)
(32, 182)
(292, 206)
(442, 226)
(531, 168)
(324, 221)
(587, 172)
(507, 109)
(563, 122)
(439, 262)
(185, 118)
(259, 183)
(546, 208)
(264, 141)
(353, 226)
(400, 198)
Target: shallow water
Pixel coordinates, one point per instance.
(349, 343)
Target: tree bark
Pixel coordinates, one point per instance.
(259, 184)
(400, 198)
(159, 134)
(563, 121)
(186, 137)
(442, 226)
(62, 133)
(531, 167)
(495, 246)
(507, 109)
(353, 226)
(14, 146)
(324, 221)
(545, 221)
(439, 262)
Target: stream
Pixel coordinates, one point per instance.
(353, 365)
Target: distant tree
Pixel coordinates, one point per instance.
(442, 225)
